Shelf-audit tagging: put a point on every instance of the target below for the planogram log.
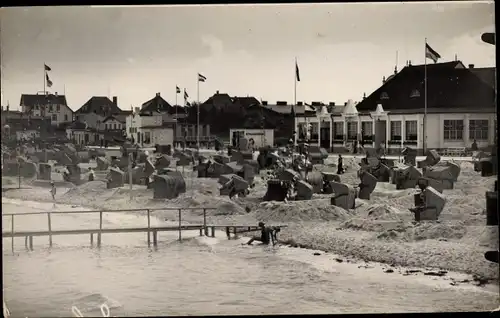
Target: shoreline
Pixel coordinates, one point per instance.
(334, 235)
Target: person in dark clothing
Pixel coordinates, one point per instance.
(355, 147)
(474, 145)
(264, 237)
(340, 168)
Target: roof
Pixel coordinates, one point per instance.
(287, 109)
(78, 125)
(486, 74)
(155, 104)
(219, 101)
(449, 84)
(246, 101)
(111, 118)
(99, 105)
(31, 100)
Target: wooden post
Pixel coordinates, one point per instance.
(31, 242)
(213, 231)
(155, 238)
(149, 227)
(235, 233)
(205, 221)
(12, 231)
(26, 242)
(180, 236)
(91, 239)
(100, 230)
(228, 234)
(201, 231)
(50, 229)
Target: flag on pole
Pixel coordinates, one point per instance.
(177, 90)
(47, 68)
(49, 82)
(186, 96)
(201, 78)
(431, 54)
(297, 74)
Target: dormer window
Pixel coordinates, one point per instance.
(415, 93)
(384, 96)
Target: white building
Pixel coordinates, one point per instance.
(460, 109)
(51, 106)
(112, 123)
(257, 137)
(150, 130)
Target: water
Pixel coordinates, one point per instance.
(200, 276)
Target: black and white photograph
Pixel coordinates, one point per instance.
(249, 159)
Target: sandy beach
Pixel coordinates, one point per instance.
(380, 230)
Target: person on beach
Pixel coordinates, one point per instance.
(274, 234)
(91, 174)
(340, 168)
(264, 237)
(53, 190)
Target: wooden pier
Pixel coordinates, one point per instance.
(204, 229)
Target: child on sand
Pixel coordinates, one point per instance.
(53, 190)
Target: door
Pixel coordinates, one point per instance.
(380, 133)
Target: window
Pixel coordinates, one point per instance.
(114, 126)
(411, 130)
(352, 130)
(478, 129)
(453, 129)
(54, 117)
(147, 137)
(65, 117)
(58, 107)
(338, 130)
(367, 129)
(395, 130)
(384, 96)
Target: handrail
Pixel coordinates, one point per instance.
(109, 211)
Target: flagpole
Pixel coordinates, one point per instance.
(176, 119)
(198, 114)
(44, 91)
(424, 142)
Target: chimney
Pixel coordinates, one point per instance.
(115, 100)
(281, 103)
(56, 93)
(157, 94)
(331, 103)
(299, 103)
(383, 80)
(471, 65)
(217, 92)
(136, 110)
(409, 62)
(364, 95)
(7, 107)
(264, 102)
(345, 104)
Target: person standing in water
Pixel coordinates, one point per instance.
(53, 190)
(264, 237)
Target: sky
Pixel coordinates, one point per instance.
(342, 50)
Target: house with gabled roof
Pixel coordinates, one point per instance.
(53, 106)
(458, 104)
(98, 108)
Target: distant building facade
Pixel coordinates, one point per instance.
(52, 106)
(460, 109)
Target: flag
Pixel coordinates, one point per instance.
(47, 68)
(431, 54)
(186, 96)
(297, 74)
(201, 78)
(188, 104)
(177, 90)
(49, 82)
